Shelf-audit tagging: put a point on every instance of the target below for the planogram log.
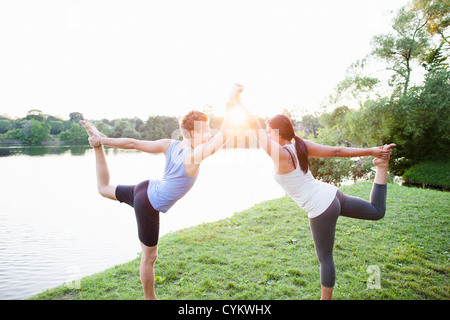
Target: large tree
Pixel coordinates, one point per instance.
(400, 48)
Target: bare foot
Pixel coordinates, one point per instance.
(94, 134)
(384, 161)
(91, 129)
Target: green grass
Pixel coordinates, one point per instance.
(429, 174)
(267, 252)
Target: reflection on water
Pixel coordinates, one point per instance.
(55, 227)
(42, 150)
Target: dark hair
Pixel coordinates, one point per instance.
(187, 124)
(285, 128)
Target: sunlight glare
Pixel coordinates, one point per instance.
(237, 116)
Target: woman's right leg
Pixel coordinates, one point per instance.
(101, 167)
(375, 208)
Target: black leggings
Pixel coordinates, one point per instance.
(323, 226)
(147, 217)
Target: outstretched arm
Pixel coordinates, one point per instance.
(96, 138)
(207, 149)
(316, 150)
(157, 146)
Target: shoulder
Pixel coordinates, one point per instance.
(286, 151)
(166, 144)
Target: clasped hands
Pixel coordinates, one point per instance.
(238, 116)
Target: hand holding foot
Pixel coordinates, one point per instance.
(94, 134)
(384, 155)
(383, 151)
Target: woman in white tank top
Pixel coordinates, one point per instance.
(323, 202)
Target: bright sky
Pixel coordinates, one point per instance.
(138, 58)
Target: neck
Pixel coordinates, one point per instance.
(187, 143)
(284, 142)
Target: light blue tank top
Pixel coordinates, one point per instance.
(175, 182)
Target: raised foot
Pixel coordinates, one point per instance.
(91, 129)
(384, 162)
(94, 134)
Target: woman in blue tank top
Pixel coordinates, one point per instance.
(148, 198)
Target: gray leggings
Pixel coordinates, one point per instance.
(323, 226)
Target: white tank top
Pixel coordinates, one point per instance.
(310, 194)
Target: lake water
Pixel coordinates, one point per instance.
(55, 227)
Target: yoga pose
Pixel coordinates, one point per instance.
(323, 202)
(148, 198)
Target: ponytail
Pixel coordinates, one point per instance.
(302, 153)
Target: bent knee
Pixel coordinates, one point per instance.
(380, 214)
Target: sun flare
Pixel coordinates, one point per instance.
(237, 116)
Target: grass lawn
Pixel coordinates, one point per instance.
(267, 252)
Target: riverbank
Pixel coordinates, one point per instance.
(267, 252)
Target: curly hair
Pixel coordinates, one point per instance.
(187, 123)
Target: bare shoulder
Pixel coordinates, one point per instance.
(165, 144)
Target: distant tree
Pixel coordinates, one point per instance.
(35, 114)
(357, 86)
(139, 125)
(16, 134)
(76, 116)
(159, 127)
(32, 132)
(6, 125)
(103, 127)
(56, 127)
(119, 127)
(309, 125)
(131, 133)
(39, 132)
(75, 135)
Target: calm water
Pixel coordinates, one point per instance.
(55, 228)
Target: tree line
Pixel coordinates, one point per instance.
(37, 128)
